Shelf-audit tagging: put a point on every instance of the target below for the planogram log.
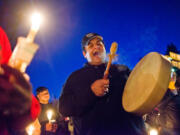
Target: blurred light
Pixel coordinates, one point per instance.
(169, 58)
(67, 118)
(30, 129)
(172, 70)
(36, 20)
(153, 132)
(49, 114)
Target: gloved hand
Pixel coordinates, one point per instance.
(15, 92)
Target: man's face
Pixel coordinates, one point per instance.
(43, 96)
(95, 52)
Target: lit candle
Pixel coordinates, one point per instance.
(153, 132)
(30, 129)
(49, 115)
(36, 20)
(25, 48)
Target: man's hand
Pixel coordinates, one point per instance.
(36, 128)
(15, 92)
(51, 127)
(100, 87)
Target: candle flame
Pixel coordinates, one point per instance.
(36, 20)
(49, 114)
(153, 132)
(30, 129)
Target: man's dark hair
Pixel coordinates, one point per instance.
(40, 89)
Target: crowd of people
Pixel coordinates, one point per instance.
(89, 102)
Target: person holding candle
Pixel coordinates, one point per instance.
(51, 121)
(94, 102)
(18, 107)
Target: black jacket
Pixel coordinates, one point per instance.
(94, 115)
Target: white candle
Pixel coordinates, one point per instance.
(49, 115)
(25, 48)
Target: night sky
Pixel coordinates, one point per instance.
(138, 26)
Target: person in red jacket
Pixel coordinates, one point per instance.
(5, 47)
(18, 107)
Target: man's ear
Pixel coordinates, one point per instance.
(84, 54)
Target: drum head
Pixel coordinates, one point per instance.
(146, 84)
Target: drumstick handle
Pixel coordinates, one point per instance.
(112, 54)
(106, 73)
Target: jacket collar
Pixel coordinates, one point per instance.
(103, 65)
